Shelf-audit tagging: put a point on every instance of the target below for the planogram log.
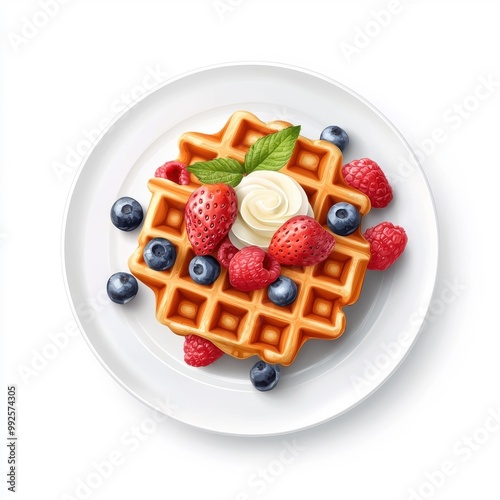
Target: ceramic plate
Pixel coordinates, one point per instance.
(328, 377)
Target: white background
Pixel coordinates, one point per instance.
(71, 74)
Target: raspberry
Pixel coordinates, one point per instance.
(199, 351)
(226, 252)
(366, 176)
(387, 243)
(174, 171)
(252, 268)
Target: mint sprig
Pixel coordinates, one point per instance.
(226, 170)
(271, 152)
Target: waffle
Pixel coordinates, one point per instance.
(245, 324)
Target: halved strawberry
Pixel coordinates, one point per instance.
(301, 241)
(210, 212)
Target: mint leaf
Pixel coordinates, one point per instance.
(226, 170)
(272, 151)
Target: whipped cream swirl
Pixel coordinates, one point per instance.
(266, 200)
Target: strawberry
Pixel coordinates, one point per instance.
(226, 252)
(366, 176)
(174, 171)
(210, 212)
(301, 241)
(199, 351)
(387, 243)
(252, 268)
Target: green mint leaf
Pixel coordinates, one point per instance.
(272, 151)
(226, 170)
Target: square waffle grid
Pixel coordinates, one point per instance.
(243, 324)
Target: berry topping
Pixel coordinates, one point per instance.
(264, 376)
(387, 243)
(301, 241)
(282, 292)
(343, 218)
(335, 135)
(204, 269)
(252, 268)
(366, 176)
(126, 213)
(210, 212)
(159, 254)
(174, 171)
(199, 351)
(226, 252)
(122, 288)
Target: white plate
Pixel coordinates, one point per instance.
(328, 377)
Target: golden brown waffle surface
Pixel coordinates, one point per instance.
(244, 324)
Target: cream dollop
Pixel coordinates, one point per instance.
(266, 200)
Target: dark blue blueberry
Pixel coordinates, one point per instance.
(204, 269)
(282, 292)
(126, 213)
(122, 288)
(264, 376)
(343, 218)
(159, 254)
(336, 135)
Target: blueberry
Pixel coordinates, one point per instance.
(343, 218)
(204, 269)
(264, 376)
(336, 135)
(282, 292)
(126, 213)
(159, 254)
(122, 288)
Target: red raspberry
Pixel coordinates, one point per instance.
(199, 351)
(387, 243)
(174, 171)
(226, 252)
(252, 268)
(366, 176)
